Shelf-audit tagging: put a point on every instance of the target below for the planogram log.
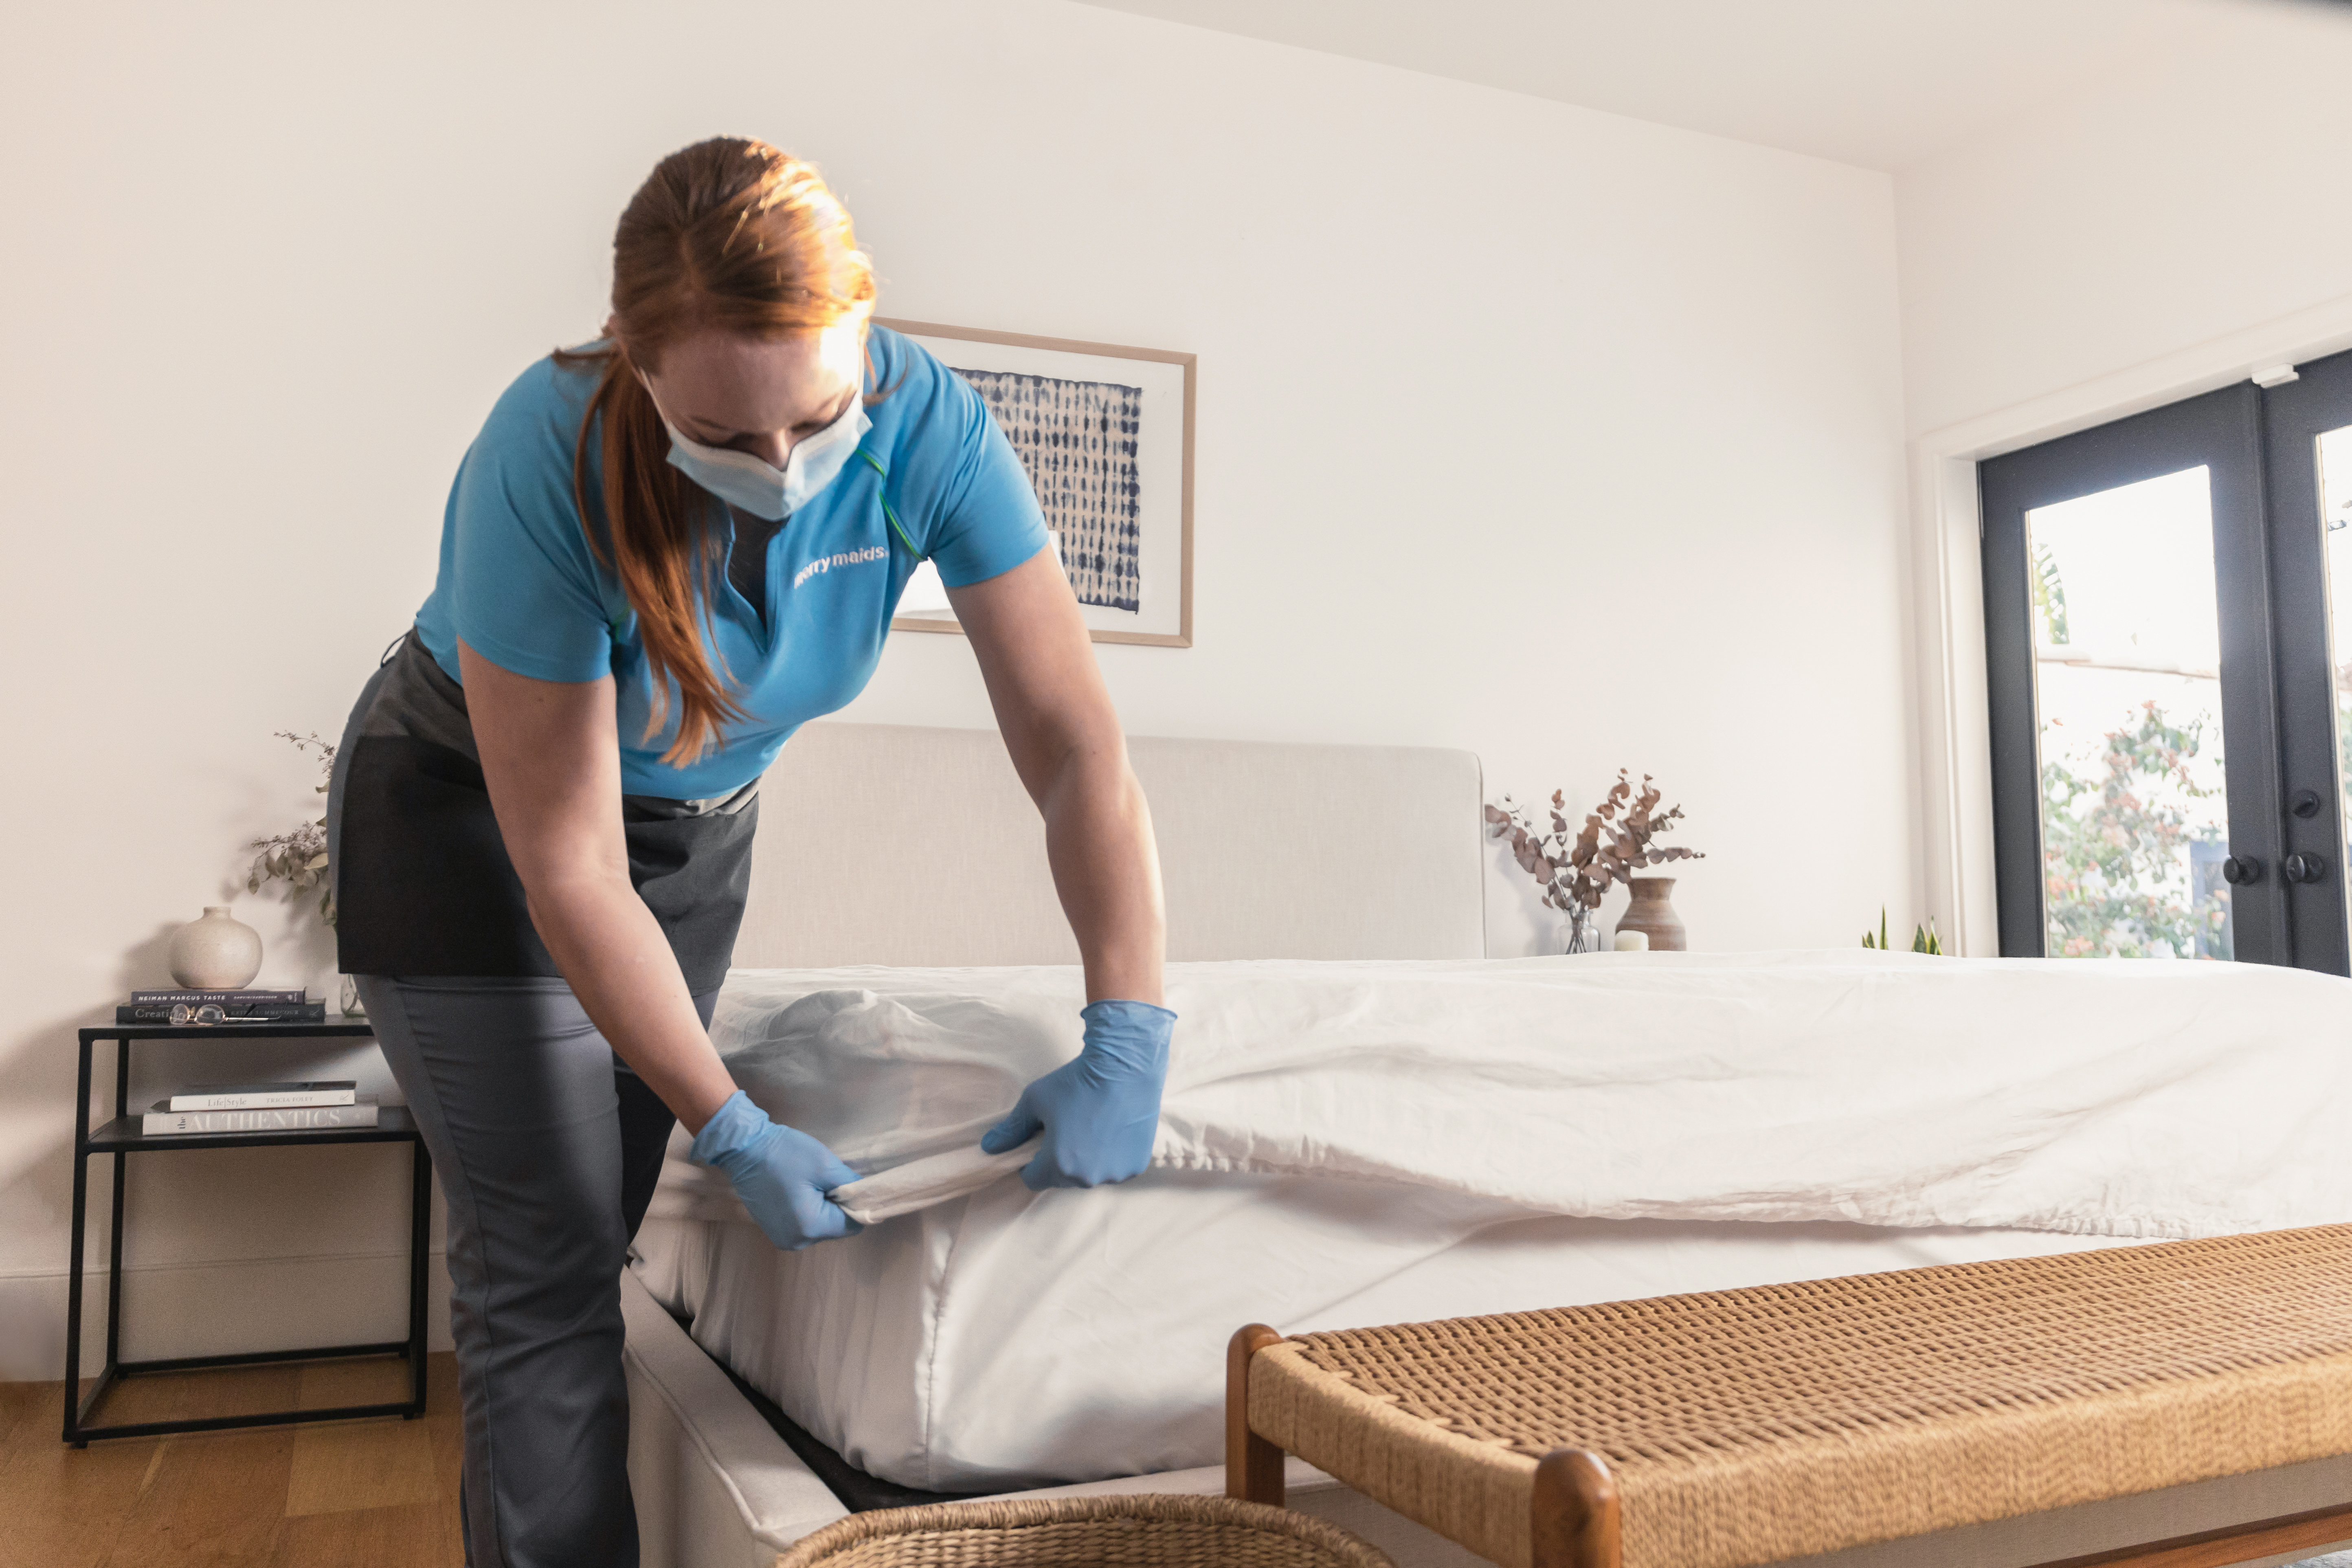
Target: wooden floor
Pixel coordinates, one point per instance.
(356, 1494)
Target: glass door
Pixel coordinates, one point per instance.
(2134, 723)
(2128, 706)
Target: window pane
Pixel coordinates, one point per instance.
(2128, 664)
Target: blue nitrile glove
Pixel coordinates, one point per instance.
(781, 1173)
(1100, 1113)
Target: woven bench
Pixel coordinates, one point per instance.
(1084, 1533)
(1748, 1426)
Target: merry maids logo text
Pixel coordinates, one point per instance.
(827, 563)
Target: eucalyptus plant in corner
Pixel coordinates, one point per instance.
(300, 858)
(1575, 871)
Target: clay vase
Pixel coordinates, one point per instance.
(217, 952)
(1652, 913)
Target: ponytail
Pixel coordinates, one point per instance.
(727, 234)
(662, 546)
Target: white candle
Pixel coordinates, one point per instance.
(1632, 941)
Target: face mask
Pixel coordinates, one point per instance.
(758, 487)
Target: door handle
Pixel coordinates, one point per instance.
(2304, 867)
(2240, 870)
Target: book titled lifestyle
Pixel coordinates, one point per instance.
(266, 1095)
(163, 1121)
(225, 998)
(232, 1012)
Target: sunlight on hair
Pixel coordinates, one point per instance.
(842, 348)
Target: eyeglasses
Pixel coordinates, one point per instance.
(202, 1013)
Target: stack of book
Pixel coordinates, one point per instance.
(262, 1108)
(236, 1007)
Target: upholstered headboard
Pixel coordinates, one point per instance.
(883, 844)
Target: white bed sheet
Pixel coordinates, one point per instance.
(1010, 1339)
(2112, 1098)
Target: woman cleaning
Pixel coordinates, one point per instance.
(663, 553)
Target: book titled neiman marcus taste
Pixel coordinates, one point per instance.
(164, 1120)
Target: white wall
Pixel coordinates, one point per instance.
(2177, 208)
(1570, 439)
(2155, 237)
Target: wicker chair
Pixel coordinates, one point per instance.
(1750, 1426)
(1084, 1533)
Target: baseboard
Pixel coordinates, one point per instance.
(220, 1309)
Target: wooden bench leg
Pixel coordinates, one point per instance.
(1253, 1464)
(1575, 1510)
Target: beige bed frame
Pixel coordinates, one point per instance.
(902, 845)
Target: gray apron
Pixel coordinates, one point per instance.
(423, 885)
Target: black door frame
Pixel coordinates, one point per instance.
(2294, 414)
(2222, 431)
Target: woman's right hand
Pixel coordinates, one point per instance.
(781, 1174)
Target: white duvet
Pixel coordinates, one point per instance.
(2121, 1099)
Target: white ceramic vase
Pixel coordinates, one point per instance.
(216, 953)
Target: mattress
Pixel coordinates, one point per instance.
(1012, 1339)
(1350, 1144)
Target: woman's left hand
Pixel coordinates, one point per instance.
(1100, 1113)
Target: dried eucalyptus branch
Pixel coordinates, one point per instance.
(1618, 838)
(300, 858)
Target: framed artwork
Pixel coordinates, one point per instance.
(1106, 434)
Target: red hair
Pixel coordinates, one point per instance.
(730, 235)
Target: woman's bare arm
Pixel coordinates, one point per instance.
(1058, 724)
(551, 756)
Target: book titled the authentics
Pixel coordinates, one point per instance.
(266, 1096)
(163, 1121)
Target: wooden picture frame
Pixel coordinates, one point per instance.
(1162, 459)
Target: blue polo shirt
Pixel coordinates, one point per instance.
(520, 585)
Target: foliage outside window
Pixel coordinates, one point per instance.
(2128, 871)
(2121, 860)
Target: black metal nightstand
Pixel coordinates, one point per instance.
(122, 1138)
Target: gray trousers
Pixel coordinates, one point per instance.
(548, 1150)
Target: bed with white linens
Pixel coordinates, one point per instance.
(1366, 1122)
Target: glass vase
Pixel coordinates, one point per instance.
(1583, 932)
